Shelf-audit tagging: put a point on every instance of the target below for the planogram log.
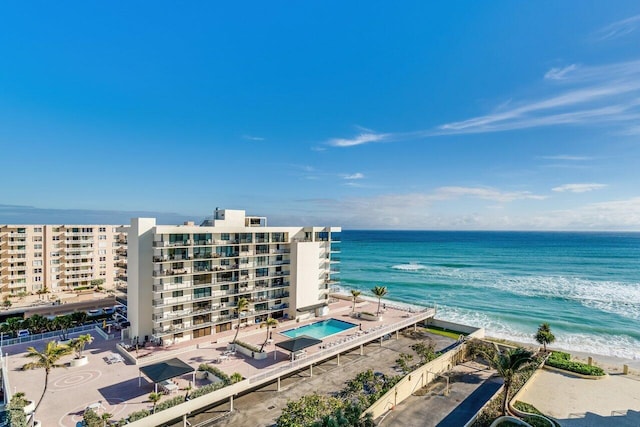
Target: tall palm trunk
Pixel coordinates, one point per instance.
(46, 384)
(505, 401)
(379, 301)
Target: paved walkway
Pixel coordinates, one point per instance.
(471, 386)
(576, 402)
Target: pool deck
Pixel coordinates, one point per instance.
(115, 386)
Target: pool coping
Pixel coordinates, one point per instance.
(319, 321)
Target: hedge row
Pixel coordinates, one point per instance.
(560, 361)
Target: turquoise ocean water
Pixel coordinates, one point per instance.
(586, 285)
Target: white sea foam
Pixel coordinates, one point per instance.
(622, 346)
(614, 297)
(409, 267)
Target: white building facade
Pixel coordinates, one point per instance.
(184, 281)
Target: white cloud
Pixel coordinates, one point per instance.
(618, 28)
(559, 73)
(363, 138)
(356, 175)
(578, 188)
(567, 157)
(483, 193)
(253, 138)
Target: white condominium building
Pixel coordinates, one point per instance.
(185, 281)
(55, 258)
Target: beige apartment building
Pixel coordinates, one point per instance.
(58, 258)
(185, 281)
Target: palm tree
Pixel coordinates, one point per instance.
(379, 292)
(544, 335)
(354, 294)
(47, 359)
(79, 343)
(270, 323)
(38, 323)
(79, 317)
(155, 398)
(508, 364)
(236, 377)
(106, 417)
(13, 324)
(63, 323)
(243, 305)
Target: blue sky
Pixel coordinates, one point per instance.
(418, 115)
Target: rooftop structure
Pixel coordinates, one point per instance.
(185, 281)
(35, 258)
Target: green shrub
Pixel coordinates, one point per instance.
(138, 415)
(169, 403)
(560, 355)
(209, 388)
(248, 346)
(215, 371)
(577, 367)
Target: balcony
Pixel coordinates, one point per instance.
(162, 273)
(17, 251)
(171, 301)
(167, 287)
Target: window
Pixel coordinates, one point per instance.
(102, 229)
(55, 261)
(102, 237)
(37, 238)
(177, 294)
(55, 254)
(103, 266)
(55, 238)
(37, 229)
(102, 245)
(179, 307)
(202, 293)
(37, 255)
(102, 252)
(55, 269)
(103, 258)
(37, 271)
(37, 279)
(37, 263)
(37, 246)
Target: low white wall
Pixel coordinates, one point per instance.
(456, 327)
(415, 381)
(192, 405)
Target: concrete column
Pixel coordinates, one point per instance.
(231, 403)
(338, 359)
(590, 361)
(184, 421)
(311, 370)
(397, 335)
(361, 349)
(625, 369)
(278, 384)
(380, 341)
(415, 327)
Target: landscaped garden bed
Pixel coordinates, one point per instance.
(561, 360)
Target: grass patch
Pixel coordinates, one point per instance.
(444, 332)
(527, 407)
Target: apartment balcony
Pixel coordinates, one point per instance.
(162, 273)
(17, 242)
(77, 234)
(22, 268)
(279, 251)
(203, 242)
(16, 234)
(171, 315)
(160, 302)
(168, 287)
(17, 251)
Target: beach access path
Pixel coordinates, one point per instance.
(578, 402)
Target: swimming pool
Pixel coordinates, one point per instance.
(320, 330)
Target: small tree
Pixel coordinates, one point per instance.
(509, 364)
(6, 302)
(379, 292)
(15, 410)
(63, 323)
(105, 418)
(243, 305)
(544, 335)
(91, 418)
(403, 362)
(47, 360)
(354, 295)
(426, 352)
(269, 323)
(78, 344)
(154, 398)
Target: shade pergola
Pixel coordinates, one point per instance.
(298, 343)
(166, 370)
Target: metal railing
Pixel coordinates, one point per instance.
(341, 347)
(47, 335)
